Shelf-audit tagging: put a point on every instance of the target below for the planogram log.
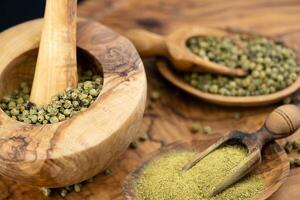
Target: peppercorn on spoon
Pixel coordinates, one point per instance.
(239, 101)
(76, 149)
(282, 122)
(174, 46)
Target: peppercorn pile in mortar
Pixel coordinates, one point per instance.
(62, 106)
(271, 66)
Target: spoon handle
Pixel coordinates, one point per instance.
(147, 43)
(56, 68)
(282, 122)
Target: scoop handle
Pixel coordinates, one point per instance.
(282, 122)
(147, 43)
(56, 67)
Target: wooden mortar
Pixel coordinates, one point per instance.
(64, 153)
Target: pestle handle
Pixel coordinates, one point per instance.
(56, 68)
(147, 43)
(282, 122)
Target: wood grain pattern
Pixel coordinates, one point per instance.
(173, 115)
(56, 68)
(71, 151)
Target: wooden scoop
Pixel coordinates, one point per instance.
(274, 169)
(174, 47)
(56, 68)
(282, 122)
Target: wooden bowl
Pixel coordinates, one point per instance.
(64, 153)
(274, 169)
(260, 100)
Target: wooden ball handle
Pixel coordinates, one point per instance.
(147, 43)
(283, 121)
(56, 68)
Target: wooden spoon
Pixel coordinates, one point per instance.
(174, 47)
(282, 122)
(56, 68)
(245, 101)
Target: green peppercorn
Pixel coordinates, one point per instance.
(61, 117)
(194, 128)
(14, 112)
(134, 145)
(46, 191)
(296, 145)
(67, 112)
(93, 92)
(144, 137)
(82, 96)
(63, 192)
(33, 118)
(87, 85)
(85, 102)
(75, 104)
(12, 105)
(54, 119)
(108, 172)
(207, 129)
(26, 120)
(288, 147)
(67, 104)
(77, 187)
(155, 95)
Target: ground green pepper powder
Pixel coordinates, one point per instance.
(271, 66)
(163, 178)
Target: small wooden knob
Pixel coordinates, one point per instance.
(283, 121)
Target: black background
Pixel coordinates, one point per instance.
(13, 12)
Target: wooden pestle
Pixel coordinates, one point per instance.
(56, 68)
(282, 122)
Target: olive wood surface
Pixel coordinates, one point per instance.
(174, 47)
(56, 68)
(76, 149)
(173, 115)
(274, 169)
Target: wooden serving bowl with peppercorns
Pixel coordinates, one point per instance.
(70, 151)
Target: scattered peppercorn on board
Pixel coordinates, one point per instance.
(172, 116)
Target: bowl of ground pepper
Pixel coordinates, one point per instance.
(273, 70)
(83, 129)
(161, 176)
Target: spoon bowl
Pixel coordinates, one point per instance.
(274, 168)
(260, 100)
(182, 56)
